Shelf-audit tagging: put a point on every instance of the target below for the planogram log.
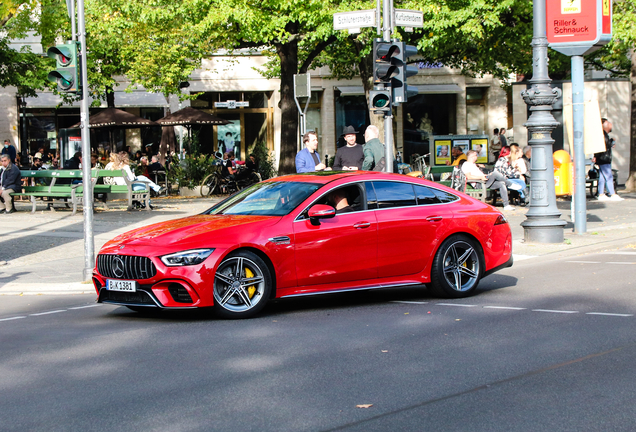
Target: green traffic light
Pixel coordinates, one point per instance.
(381, 100)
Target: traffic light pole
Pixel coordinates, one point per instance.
(387, 5)
(89, 243)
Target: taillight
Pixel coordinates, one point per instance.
(501, 220)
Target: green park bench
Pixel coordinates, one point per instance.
(45, 186)
(106, 190)
(479, 192)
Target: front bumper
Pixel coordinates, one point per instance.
(171, 287)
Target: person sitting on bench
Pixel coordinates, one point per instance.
(494, 180)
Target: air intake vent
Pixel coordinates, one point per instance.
(179, 293)
(125, 267)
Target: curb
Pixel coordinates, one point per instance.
(40, 289)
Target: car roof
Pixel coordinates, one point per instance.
(324, 177)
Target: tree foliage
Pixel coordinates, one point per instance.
(24, 69)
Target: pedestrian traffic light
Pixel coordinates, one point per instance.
(384, 62)
(380, 101)
(66, 74)
(401, 91)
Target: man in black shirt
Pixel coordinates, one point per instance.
(351, 156)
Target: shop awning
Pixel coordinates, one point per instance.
(422, 89)
(122, 100)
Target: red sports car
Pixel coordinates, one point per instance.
(306, 234)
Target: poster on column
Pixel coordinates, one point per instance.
(442, 151)
(229, 138)
(481, 147)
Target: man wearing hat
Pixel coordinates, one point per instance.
(351, 156)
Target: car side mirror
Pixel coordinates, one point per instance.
(320, 211)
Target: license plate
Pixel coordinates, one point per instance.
(121, 285)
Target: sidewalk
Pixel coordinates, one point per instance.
(44, 252)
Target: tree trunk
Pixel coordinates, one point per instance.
(630, 184)
(110, 97)
(366, 74)
(288, 54)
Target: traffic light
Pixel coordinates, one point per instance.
(66, 74)
(402, 91)
(385, 60)
(384, 70)
(380, 101)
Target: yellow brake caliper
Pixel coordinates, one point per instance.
(252, 288)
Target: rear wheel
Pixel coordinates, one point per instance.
(242, 285)
(457, 268)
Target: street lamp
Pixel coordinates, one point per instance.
(543, 223)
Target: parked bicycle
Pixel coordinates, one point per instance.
(216, 183)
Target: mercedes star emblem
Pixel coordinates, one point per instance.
(118, 267)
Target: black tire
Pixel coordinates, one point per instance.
(457, 267)
(233, 296)
(210, 182)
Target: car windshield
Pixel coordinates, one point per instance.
(266, 199)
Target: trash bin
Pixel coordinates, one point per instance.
(563, 173)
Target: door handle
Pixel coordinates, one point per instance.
(434, 218)
(361, 225)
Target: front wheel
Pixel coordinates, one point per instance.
(457, 268)
(242, 285)
(209, 182)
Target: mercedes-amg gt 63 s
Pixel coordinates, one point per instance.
(307, 234)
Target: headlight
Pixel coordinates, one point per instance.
(185, 258)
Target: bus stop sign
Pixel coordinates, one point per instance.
(578, 27)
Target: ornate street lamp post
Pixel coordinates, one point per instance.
(543, 223)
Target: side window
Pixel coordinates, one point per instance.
(425, 195)
(344, 199)
(372, 200)
(394, 194)
(445, 197)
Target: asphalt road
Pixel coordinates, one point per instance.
(548, 345)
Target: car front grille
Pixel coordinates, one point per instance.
(125, 267)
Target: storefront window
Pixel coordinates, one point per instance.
(426, 115)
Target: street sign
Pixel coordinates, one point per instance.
(578, 27)
(231, 104)
(302, 85)
(354, 20)
(408, 18)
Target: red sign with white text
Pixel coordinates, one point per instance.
(578, 23)
(571, 21)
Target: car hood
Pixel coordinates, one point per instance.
(188, 230)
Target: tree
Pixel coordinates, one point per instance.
(24, 69)
(293, 33)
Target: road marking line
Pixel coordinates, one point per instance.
(399, 301)
(619, 253)
(12, 318)
(47, 313)
(504, 307)
(84, 307)
(609, 314)
(584, 262)
(554, 311)
(455, 304)
(618, 262)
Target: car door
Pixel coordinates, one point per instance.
(410, 218)
(341, 249)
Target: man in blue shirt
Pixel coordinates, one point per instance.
(308, 159)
